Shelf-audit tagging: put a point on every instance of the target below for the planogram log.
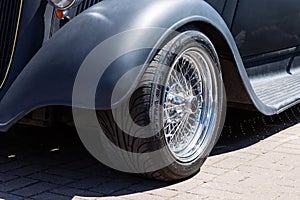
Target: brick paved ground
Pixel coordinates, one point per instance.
(257, 157)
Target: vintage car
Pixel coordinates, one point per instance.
(194, 58)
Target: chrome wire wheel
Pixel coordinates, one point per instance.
(188, 104)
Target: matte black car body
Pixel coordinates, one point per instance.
(256, 40)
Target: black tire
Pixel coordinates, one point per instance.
(152, 91)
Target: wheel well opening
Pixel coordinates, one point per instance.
(237, 96)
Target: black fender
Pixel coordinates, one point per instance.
(48, 79)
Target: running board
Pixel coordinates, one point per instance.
(279, 91)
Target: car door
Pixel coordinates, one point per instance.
(267, 27)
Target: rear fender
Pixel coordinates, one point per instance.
(49, 77)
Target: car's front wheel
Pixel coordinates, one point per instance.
(182, 99)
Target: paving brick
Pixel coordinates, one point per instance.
(71, 192)
(233, 177)
(75, 175)
(141, 187)
(205, 177)
(90, 182)
(4, 177)
(50, 196)
(15, 164)
(50, 178)
(288, 196)
(99, 170)
(244, 155)
(27, 170)
(162, 192)
(262, 194)
(230, 163)
(143, 196)
(215, 159)
(7, 196)
(184, 186)
(15, 184)
(291, 146)
(295, 141)
(220, 194)
(95, 198)
(255, 151)
(213, 170)
(227, 186)
(122, 192)
(267, 146)
(265, 181)
(34, 189)
(79, 164)
(111, 187)
(187, 196)
(268, 160)
(287, 150)
(258, 171)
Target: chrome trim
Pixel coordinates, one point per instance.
(72, 4)
(14, 46)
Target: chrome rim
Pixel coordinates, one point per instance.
(188, 104)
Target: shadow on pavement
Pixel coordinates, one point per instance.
(244, 128)
(53, 162)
